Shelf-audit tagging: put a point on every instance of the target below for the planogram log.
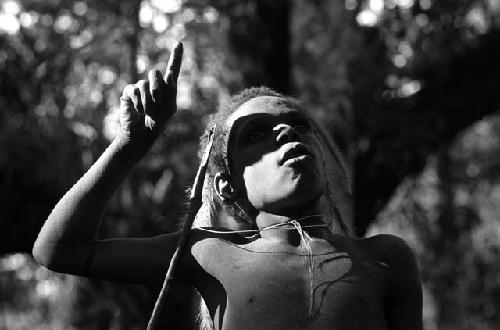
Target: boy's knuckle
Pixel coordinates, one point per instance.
(141, 84)
(128, 90)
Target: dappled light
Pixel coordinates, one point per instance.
(415, 212)
(38, 298)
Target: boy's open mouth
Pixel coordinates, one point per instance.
(296, 153)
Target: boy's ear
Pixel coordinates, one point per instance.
(223, 187)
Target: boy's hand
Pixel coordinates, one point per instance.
(145, 107)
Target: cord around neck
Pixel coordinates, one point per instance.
(289, 225)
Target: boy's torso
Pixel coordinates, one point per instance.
(262, 285)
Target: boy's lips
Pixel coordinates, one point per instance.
(295, 152)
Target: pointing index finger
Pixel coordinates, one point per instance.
(174, 63)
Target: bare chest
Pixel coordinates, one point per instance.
(274, 290)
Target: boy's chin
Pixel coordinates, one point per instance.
(307, 188)
(302, 200)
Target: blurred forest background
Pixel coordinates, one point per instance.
(409, 88)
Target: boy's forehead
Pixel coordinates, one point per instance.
(269, 105)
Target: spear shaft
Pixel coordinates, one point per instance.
(195, 202)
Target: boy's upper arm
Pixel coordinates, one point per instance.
(403, 303)
(143, 260)
(133, 260)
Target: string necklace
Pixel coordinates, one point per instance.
(295, 225)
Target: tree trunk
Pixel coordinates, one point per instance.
(259, 39)
(413, 129)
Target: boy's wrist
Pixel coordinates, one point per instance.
(135, 149)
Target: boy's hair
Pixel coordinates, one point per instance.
(220, 159)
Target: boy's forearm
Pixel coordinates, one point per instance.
(65, 242)
(73, 222)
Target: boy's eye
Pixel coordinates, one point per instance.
(257, 131)
(256, 135)
(302, 127)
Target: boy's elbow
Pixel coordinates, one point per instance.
(49, 255)
(43, 254)
(62, 258)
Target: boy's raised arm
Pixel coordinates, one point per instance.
(66, 242)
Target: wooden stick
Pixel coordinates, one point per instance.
(194, 205)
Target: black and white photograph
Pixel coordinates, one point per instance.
(250, 165)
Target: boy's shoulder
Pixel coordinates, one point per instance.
(214, 242)
(212, 235)
(391, 250)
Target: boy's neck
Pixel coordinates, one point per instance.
(281, 228)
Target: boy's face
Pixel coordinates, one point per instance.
(275, 156)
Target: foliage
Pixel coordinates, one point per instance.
(438, 61)
(451, 221)
(63, 72)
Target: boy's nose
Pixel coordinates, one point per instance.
(286, 133)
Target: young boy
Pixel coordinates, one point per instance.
(288, 263)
